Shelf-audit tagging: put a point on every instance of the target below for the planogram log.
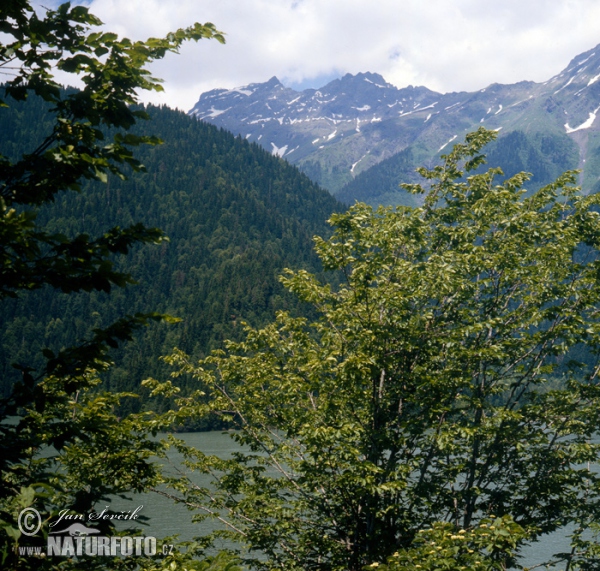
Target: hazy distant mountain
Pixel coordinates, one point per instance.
(351, 124)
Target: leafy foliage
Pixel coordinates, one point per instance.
(437, 384)
(444, 547)
(111, 69)
(63, 447)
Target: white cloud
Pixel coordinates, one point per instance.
(446, 46)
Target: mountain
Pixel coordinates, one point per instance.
(336, 133)
(331, 133)
(235, 215)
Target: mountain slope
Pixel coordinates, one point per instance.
(235, 217)
(343, 129)
(332, 133)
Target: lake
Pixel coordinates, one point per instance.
(167, 518)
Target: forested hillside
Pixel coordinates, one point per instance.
(545, 155)
(235, 216)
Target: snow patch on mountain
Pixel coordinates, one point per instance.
(453, 105)
(358, 161)
(565, 85)
(446, 144)
(585, 125)
(241, 90)
(593, 80)
(278, 151)
(215, 112)
(428, 106)
(375, 84)
(584, 60)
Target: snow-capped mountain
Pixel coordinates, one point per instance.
(302, 126)
(349, 125)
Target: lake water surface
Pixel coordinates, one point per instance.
(168, 518)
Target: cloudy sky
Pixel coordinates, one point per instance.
(446, 45)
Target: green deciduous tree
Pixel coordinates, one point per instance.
(444, 548)
(439, 387)
(111, 69)
(88, 452)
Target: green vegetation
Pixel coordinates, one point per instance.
(234, 215)
(546, 155)
(426, 413)
(592, 164)
(379, 185)
(423, 396)
(444, 548)
(88, 452)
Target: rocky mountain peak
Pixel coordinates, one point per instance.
(286, 121)
(352, 123)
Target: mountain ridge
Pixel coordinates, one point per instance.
(353, 123)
